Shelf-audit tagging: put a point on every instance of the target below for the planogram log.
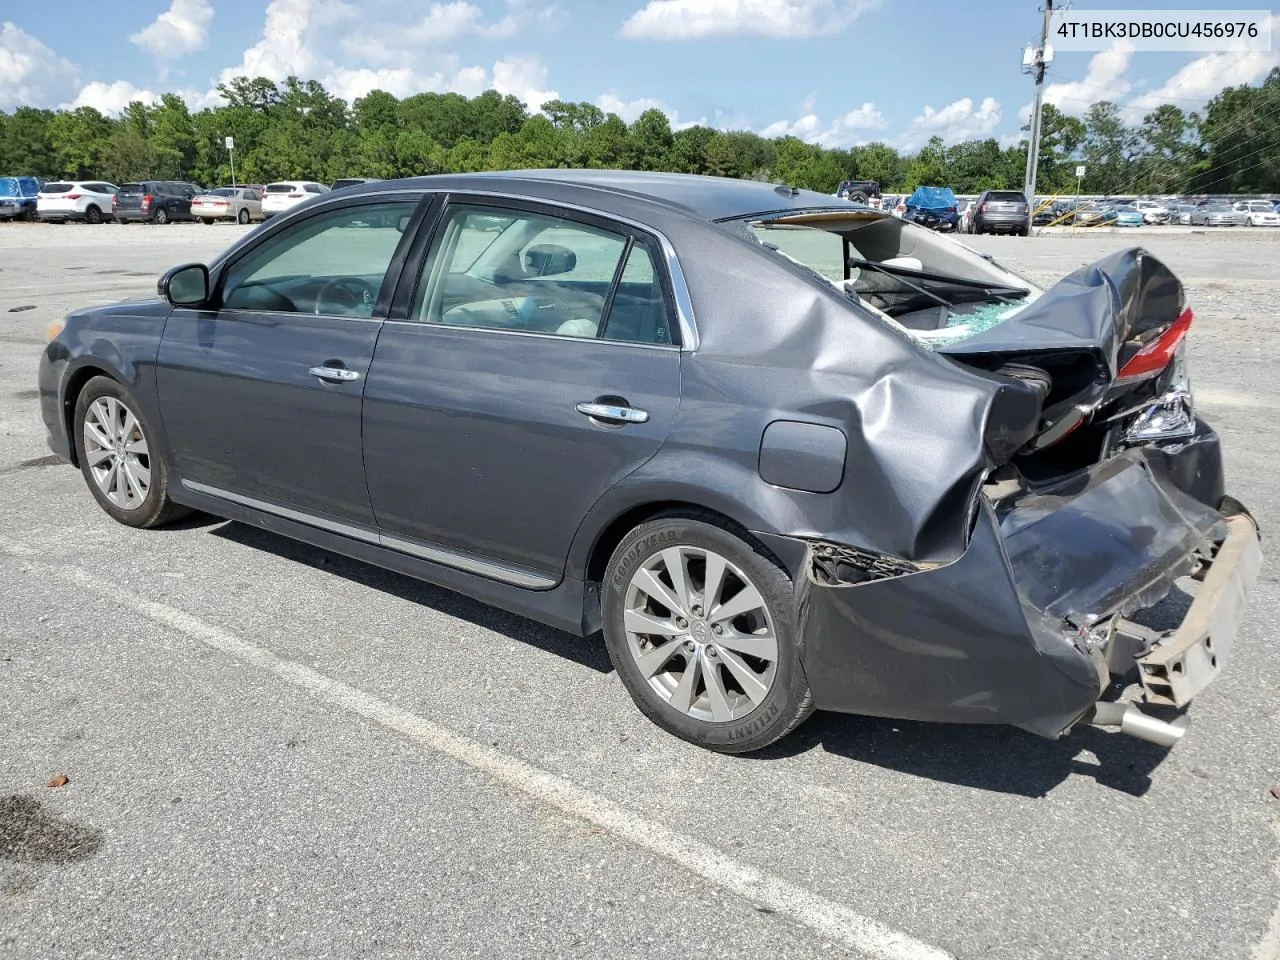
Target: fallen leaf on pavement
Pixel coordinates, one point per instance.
(61, 780)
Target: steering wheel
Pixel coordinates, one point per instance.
(345, 295)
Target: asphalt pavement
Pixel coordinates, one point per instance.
(270, 749)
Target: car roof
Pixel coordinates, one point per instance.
(705, 198)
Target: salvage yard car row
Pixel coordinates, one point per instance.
(153, 201)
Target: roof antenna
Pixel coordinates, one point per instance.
(787, 191)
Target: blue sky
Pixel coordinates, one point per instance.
(836, 72)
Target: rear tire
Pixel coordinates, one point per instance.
(161, 216)
(207, 221)
(243, 216)
(92, 214)
(731, 683)
(120, 457)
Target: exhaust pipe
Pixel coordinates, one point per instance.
(1135, 723)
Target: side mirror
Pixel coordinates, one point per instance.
(185, 286)
(550, 259)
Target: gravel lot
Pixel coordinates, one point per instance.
(274, 749)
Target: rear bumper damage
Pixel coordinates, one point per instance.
(1038, 615)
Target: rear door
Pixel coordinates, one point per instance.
(534, 367)
(261, 394)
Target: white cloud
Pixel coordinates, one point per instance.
(525, 78)
(110, 98)
(181, 29)
(844, 131)
(1103, 80)
(1202, 78)
(389, 38)
(630, 110)
(954, 123)
(30, 73)
(687, 19)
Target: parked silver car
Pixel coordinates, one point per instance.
(1214, 215)
(242, 204)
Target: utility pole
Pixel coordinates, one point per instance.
(1034, 62)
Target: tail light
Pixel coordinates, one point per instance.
(1156, 355)
(982, 208)
(294, 196)
(115, 201)
(146, 199)
(71, 196)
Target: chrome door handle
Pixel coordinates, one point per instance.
(611, 414)
(335, 374)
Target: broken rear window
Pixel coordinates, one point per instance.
(939, 290)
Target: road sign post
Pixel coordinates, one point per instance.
(1079, 178)
(231, 149)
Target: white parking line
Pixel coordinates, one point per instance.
(833, 921)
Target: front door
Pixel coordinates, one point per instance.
(535, 370)
(261, 396)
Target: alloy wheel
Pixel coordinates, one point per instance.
(701, 633)
(116, 452)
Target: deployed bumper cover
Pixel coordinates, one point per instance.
(1027, 626)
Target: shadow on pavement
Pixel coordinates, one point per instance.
(995, 758)
(587, 651)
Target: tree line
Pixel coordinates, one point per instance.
(298, 130)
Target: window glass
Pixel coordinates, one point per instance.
(311, 188)
(281, 188)
(332, 264)
(505, 270)
(639, 311)
(57, 188)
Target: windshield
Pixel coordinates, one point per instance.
(937, 289)
(1259, 206)
(1217, 207)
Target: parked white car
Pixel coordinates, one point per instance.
(86, 200)
(1257, 213)
(1152, 211)
(287, 194)
(228, 203)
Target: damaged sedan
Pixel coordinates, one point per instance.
(782, 451)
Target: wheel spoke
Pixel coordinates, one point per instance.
(744, 601)
(673, 558)
(107, 483)
(112, 424)
(746, 677)
(130, 424)
(682, 697)
(94, 432)
(132, 484)
(657, 658)
(716, 694)
(637, 621)
(761, 645)
(137, 447)
(648, 583)
(143, 474)
(96, 455)
(713, 582)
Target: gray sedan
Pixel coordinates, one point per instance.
(1214, 215)
(782, 452)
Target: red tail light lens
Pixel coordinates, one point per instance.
(294, 196)
(146, 199)
(1156, 355)
(982, 208)
(115, 201)
(71, 196)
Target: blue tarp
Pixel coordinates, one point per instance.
(933, 199)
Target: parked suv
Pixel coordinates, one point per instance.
(1002, 211)
(18, 198)
(859, 191)
(154, 201)
(87, 200)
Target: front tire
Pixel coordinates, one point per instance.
(162, 216)
(119, 457)
(243, 216)
(700, 625)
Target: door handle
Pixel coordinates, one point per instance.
(334, 374)
(610, 413)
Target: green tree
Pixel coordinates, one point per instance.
(1240, 131)
(651, 139)
(929, 167)
(79, 140)
(1110, 149)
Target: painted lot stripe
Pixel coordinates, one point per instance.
(831, 920)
